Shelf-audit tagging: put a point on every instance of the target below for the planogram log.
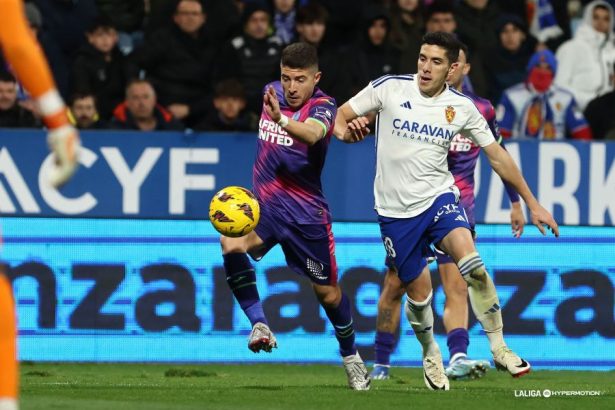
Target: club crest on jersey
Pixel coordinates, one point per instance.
(449, 113)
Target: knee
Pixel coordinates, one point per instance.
(392, 291)
(329, 296)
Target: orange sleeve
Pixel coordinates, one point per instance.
(27, 60)
(22, 50)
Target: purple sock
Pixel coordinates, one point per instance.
(241, 279)
(384, 347)
(341, 319)
(458, 341)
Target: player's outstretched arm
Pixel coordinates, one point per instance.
(309, 132)
(506, 168)
(349, 127)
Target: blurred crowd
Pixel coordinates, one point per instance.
(547, 65)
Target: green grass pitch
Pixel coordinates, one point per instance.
(273, 386)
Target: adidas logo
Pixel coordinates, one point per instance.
(406, 105)
(493, 309)
(460, 218)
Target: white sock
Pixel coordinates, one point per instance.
(483, 298)
(420, 316)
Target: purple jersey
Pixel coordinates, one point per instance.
(286, 175)
(463, 154)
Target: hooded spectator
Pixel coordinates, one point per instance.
(375, 54)
(586, 61)
(407, 31)
(507, 62)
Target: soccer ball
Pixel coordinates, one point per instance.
(234, 211)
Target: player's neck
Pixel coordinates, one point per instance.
(435, 94)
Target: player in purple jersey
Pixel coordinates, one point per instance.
(295, 129)
(462, 158)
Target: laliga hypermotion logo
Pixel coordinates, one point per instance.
(449, 113)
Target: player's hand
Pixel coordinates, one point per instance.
(541, 218)
(272, 105)
(357, 129)
(64, 144)
(517, 220)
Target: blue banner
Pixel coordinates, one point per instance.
(148, 290)
(174, 175)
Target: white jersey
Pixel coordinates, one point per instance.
(413, 135)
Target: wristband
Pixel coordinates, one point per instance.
(283, 121)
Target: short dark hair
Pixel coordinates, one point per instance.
(312, 13)
(230, 88)
(7, 77)
(100, 22)
(447, 41)
(300, 55)
(439, 7)
(463, 47)
(80, 95)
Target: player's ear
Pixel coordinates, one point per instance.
(317, 77)
(453, 67)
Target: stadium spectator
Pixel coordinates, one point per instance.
(12, 115)
(100, 67)
(333, 60)
(254, 56)
(284, 13)
(83, 112)
(53, 54)
(178, 60)
(439, 16)
(141, 111)
(476, 27)
(507, 62)
(375, 55)
(343, 26)
(65, 25)
(586, 61)
(406, 32)
(600, 114)
(230, 114)
(554, 14)
(539, 109)
(128, 18)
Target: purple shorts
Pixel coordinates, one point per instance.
(309, 249)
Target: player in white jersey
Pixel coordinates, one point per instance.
(416, 199)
